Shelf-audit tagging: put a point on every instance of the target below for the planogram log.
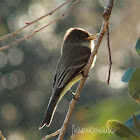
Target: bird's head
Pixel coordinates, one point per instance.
(79, 36)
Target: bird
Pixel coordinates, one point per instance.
(75, 52)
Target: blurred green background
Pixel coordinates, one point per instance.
(27, 69)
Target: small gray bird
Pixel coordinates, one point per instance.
(76, 49)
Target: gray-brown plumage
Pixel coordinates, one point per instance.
(75, 52)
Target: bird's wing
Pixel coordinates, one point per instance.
(75, 61)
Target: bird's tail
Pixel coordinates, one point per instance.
(51, 109)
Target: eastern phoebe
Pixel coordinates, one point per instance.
(75, 52)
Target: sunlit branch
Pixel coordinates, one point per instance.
(28, 36)
(52, 135)
(32, 22)
(106, 16)
(1, 136)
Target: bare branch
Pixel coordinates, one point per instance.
(52, 134)
(109, 51)
(1, 136)
(28, 36)
(106, 15)
(30, 23)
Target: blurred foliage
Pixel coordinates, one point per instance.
(138, 46)
(129, 131)
(122, 130)
(134, 85)
(131, 75)
(130, 122)
(127, 75)
(27, 69)
(96, 116)
(136, 123)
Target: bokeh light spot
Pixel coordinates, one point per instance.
(3, 59)
(9, 80)
(115, 80)
(36, 10)
(115, 77)
(16, 56)
(16, 136)
(9, 112)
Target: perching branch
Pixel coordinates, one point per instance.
(106, 16)
(29, 23)
(52, 134)
(1, 136)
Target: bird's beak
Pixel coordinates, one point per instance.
(92, 37)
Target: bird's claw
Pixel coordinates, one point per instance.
(73, 94)
(75, 98)
(87, 76)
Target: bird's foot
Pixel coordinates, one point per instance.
(75, 98)
(72, 92)
(87, 76)
(73, 95)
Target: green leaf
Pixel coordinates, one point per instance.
(136, 123)
(127, 75)
(134, 85)
(137, 47)
(130, 122)
(122, 130)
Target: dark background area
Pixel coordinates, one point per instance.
(27, 69)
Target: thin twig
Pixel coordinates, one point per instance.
(1, 136)
(106, 15)
(30, 23)
(109, 51)
(52, 134)
(28, 36)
